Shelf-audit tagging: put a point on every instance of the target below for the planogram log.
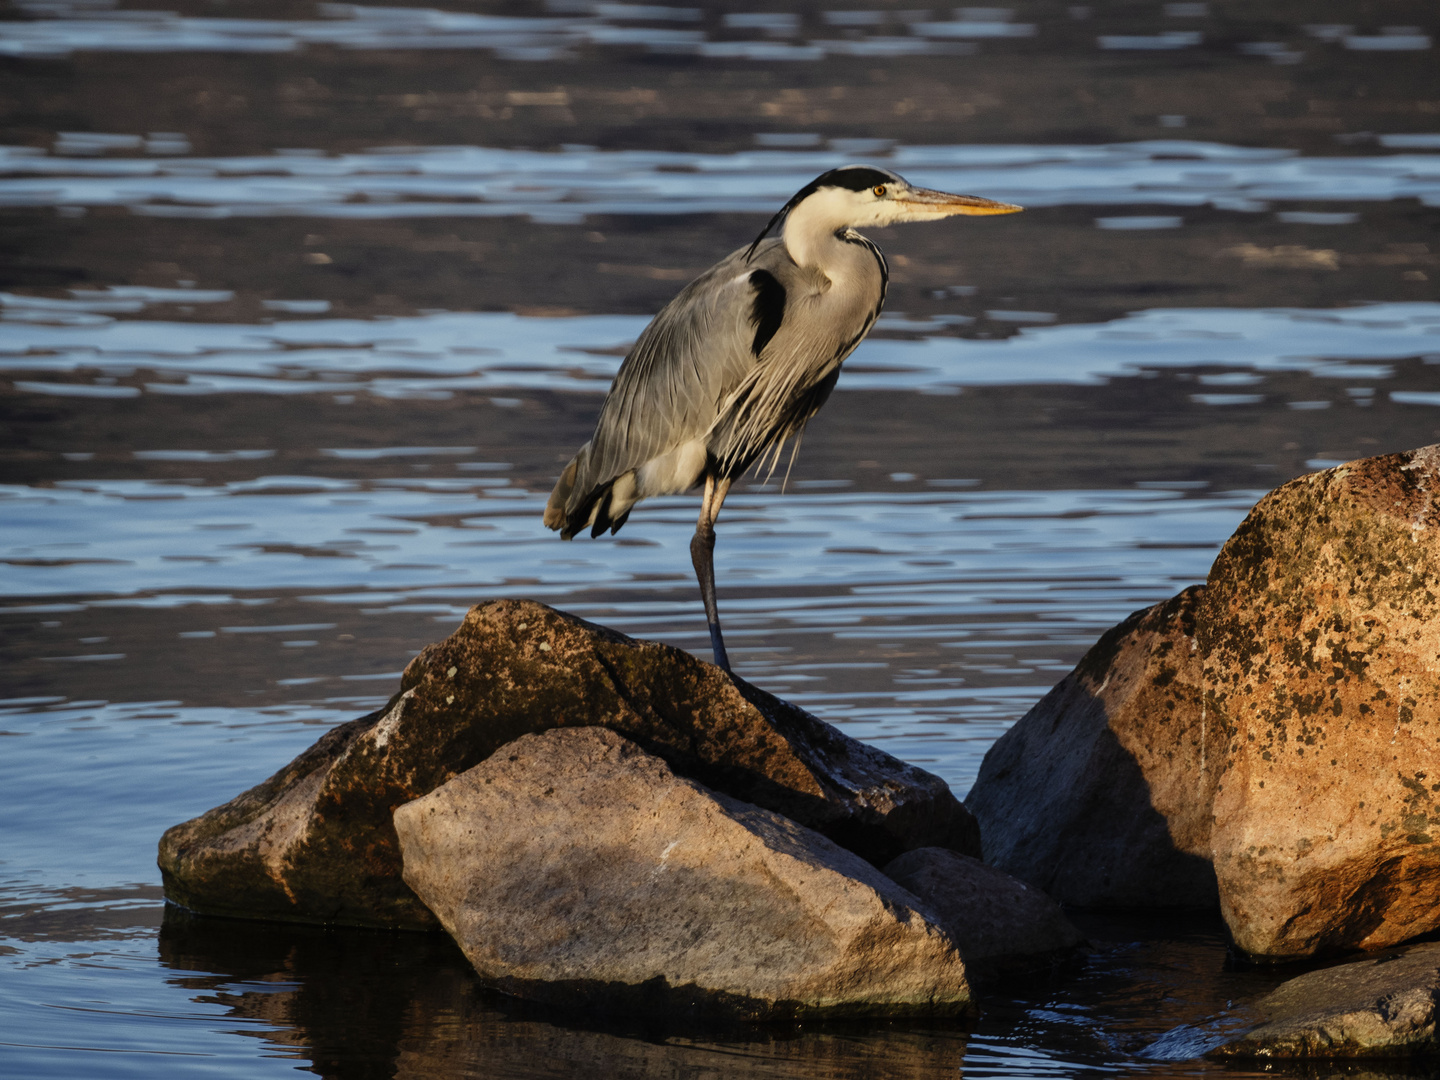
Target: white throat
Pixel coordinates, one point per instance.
(810, 228)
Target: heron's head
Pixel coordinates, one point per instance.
(855, 196)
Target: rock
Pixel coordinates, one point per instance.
(316, 841)
(1000, 924)
(1100, 794)
(573, 866)
(1320, 632)
(1383, 1008)
(1306, 772)
(308, 844)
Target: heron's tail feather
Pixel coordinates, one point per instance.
(555, 516)
(599, 516)
(604, 506)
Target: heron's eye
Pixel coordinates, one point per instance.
(879, 191)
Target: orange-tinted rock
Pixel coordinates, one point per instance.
(1307, 771)
(316, 841)
(1100, 794)
(1320, 631)
(573, 867)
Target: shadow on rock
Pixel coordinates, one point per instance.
(1100, 794)
(1380, 1007)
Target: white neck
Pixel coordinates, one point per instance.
(810, 228)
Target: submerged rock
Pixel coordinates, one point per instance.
(1380, 1008)
(1100, 794)
(574, 866)
(1281, 723)
(1000, 924)
(316, 841)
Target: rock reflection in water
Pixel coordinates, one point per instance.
(361, 1004)
(1155, 993)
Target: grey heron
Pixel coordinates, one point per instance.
(742, 358)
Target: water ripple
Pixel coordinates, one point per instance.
(565, 186)
(95, 26)
(435, 355)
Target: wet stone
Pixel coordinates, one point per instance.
(316, 841)
(1380, 1008)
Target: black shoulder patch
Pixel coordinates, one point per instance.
(768, 310)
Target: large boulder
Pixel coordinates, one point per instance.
(1001, 925)
(1379, 1008)
(1100, 795)
(316, 842)
(574, 866)
(1320, 631)
(1283, 723)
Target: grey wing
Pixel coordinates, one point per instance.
(740, 360)
(823, 322)
(670, 387)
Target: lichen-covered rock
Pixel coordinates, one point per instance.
(1320, 632)
(574, 867)
(1100, 794)
(1296, 746)
(1001, 925)
(1379, 1008)
(316, 841)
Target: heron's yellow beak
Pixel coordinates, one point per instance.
(942, 204)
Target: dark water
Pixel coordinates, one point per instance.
(303, 306)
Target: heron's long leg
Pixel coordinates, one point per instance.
(702, 551)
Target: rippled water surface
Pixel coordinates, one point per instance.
(304, 306)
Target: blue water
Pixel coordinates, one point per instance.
(235, 501)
